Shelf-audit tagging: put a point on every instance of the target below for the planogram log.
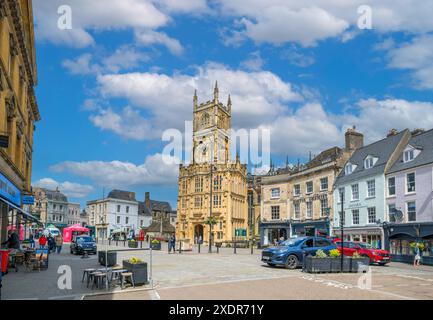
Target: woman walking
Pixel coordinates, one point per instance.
(59, 243)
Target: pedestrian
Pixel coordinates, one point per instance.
(51, 243)
(417, 258)
(59, 243)
(42, 241)
(13, 241)
(32, 241)
(172, 244)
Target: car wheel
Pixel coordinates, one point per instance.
(291, 262)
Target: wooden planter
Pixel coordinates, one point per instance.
(139, 271)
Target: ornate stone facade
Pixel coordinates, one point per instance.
(211, 161)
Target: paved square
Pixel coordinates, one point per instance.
(221, 276)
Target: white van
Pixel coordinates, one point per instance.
(54, 232)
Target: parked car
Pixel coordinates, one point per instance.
(83, 244)
(378, 256)
(291, 252)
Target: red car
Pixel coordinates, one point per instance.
(378, 256)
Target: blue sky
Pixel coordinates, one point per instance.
(127, 70)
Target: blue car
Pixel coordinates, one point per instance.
(291, 252)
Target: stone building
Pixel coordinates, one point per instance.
(254, 205)
(151, 212)
(51, 206)
(298, 201)
(18, 108)
(117, 213)
(74, 214)
(213, 188)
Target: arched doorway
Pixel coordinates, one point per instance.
(198, 233)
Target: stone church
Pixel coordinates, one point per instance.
(213, 188)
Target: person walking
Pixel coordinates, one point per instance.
(32, 241)
(51, 243)
(417, 258)
(59, 243)
(42, 241)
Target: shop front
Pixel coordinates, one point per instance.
(371, 235)
(320, 228)
(401, 239)
(272, 232)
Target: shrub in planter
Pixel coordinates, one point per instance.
(155, 245)
(138, 269)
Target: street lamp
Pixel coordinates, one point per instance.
(342, 228)
(210, 206)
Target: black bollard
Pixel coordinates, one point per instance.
(199, 247)
(180, 246)
(117, 242)
(109, 242)
(234, 246)
(252, 247)
(218, 249)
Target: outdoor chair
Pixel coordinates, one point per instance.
(116, 274)
(98, 279)
(86, 274)
(125, 276)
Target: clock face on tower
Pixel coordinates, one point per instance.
(202, 152)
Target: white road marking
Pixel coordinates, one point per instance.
(154, 295)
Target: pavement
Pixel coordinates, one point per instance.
(223, 276)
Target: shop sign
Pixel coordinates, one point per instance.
(9, 191)
(30, 200)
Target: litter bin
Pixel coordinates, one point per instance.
(111, 256)
(4, 260)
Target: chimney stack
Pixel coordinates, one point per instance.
(392, 132)
(147, 199)
(354, 139)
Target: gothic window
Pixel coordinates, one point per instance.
(205, 120)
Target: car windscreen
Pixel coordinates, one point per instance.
(366, 245)
(292, 242)
(84, 239)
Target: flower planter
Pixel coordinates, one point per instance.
(359, 264)
(112, 258)
(132, 244)
(326, 265)
(155, 246)
(139, 271)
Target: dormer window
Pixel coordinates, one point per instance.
(409, 155)
(349, 168)
(369, 162)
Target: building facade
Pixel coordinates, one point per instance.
(74, 214)
(409, 199)
(18, 108)
(51, 206)
(213, 188)
(118, 213)
(362, 186)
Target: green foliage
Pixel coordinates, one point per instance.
(321, 254)
(420, 245)
(155, 241)
(135, 260)
(334, 253)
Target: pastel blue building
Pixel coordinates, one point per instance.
(362, 184)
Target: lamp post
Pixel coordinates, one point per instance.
(210, 207)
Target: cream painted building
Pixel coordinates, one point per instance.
(226, 201)
(299, 201)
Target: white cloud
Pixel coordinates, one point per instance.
(417, 56)
(70, 189)
(150, 37)
(123, 59)
(128, 124)
(307, 22)
(123, 174)
(257, 96)
(254, 62)
(95, 15)
(280, 24)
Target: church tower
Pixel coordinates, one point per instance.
(213, 187)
